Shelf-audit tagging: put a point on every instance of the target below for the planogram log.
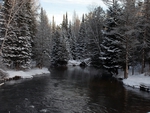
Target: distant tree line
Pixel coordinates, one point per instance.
(118, 38)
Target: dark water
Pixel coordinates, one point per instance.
(73, 90)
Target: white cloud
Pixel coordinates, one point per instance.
(82, 2)
(85, 2)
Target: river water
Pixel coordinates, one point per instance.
(72, 90)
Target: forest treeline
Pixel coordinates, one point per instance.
(116, 38)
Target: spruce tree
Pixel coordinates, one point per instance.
(17, 49)
(128, 33)
(8, 33)
(65, 35)
(143, 27)
(111, 45)
(59, 55)
(2, 23)
(23, 46)
(94, 25)
(43, 40)
(72, 43)
(81, 44)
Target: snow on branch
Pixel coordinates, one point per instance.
(14, 10)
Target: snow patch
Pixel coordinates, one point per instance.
(32, 106)
(74, 63)
(87, 61)
(1, 84)
(27, 74)
(136, 80)
(43, 110)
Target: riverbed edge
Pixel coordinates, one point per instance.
(27, 74)
(136, 81)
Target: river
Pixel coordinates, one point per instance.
(71, 90)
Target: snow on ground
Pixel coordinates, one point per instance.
(137, 79)
(28, 73)
(78, 62)
(74, 63)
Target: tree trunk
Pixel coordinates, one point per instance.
(126, 69)
(143, 53)
(143, 61)
(132, 69)
(126, 59)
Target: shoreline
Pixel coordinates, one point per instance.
(28, 74)
(138, 81)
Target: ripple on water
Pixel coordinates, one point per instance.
(71, 91)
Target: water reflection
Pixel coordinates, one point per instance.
(72, 90)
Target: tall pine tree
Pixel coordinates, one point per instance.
(17, 49)
(81, 42)
(42, 41)
(111, 45)
(94, 26)
(59, 55)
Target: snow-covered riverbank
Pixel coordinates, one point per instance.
(24, 74)
(133, 80)
(136, 80)
(28, 73)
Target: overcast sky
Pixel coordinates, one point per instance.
(57, 8)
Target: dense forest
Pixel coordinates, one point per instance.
(116, 38)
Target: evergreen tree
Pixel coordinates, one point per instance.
(72, 42)
(17, 49)
(81, 44)
(75, 26)
(32, 11)
(65, 35)
(94, 25)
(43, 40)
(24, 37)
(111, 54)
(59, 55)
(143, 27)
(128, 33)
(2, 24)
(9, 29)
